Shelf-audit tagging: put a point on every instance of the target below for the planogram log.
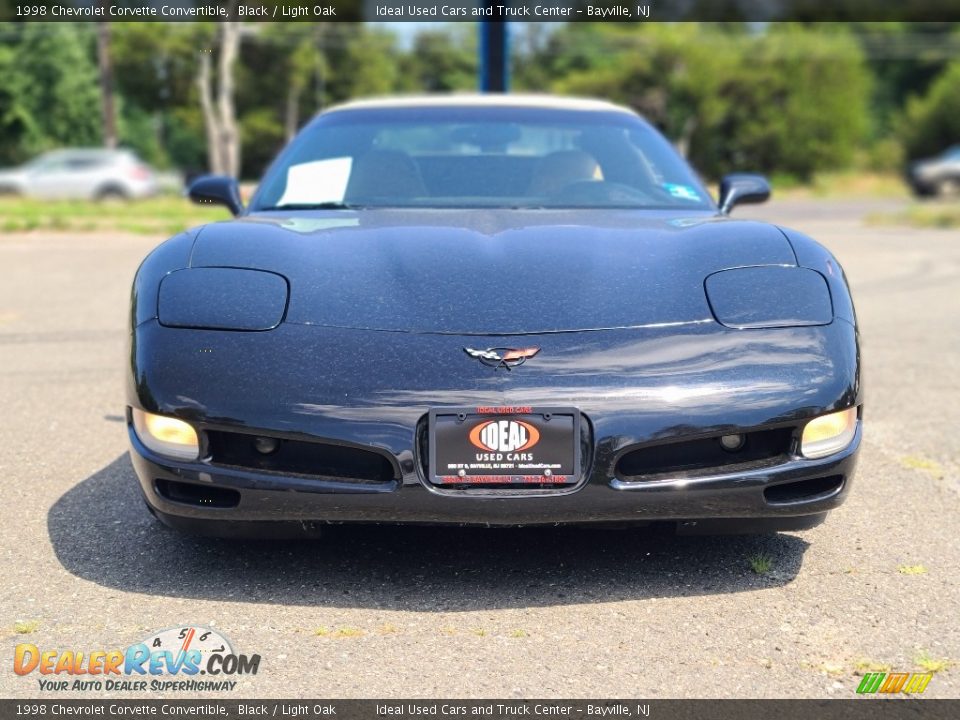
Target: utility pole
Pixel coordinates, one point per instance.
(494, 54)
(105, 65)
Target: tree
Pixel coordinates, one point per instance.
(905, 58)
(220, 117)
(105, 65)
(786, 100)
(443, 60)
(288, 59)
(155, 71)
(800, 103)
(932, 122)
(48, 89)
(365, 63)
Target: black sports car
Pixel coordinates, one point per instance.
(496, 310)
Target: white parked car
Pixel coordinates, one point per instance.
(938, 175)
(81, 173)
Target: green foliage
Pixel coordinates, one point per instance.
(789, 100)
(442, 61)
(13, 115)
(48, 90)
(156, 216)
(155, 66)
(932, 122)
(906, 58)
(261, 136)
(792, 100)
(547, 56)
(883, 155)
(184, 137)
(367, 66)
(801, 105)
(137, 129)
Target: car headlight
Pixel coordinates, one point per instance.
(769, 296)
(829, 434)
(166, 435)
(215, 298)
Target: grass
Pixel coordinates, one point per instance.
(865, 666)
(912, 570)
(166, 215)
(844, 184)
(761, 563)
(930, 664)
(25, 627)
(932, 215)
(348, 632)
(518, 633)
(832, 668)
(914, 462)
(170, 214)
(341, 632)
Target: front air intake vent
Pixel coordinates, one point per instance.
(700, 456)
(303, 458)
(198, 495)
(803, 490)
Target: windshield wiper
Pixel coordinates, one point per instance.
(314, 206)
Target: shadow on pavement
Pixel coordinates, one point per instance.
(101, 531)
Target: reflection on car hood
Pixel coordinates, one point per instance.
(492, 272)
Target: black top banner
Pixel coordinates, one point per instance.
(629, 11)
(427, 709)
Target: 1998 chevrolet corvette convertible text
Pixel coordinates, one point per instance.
(490, 310)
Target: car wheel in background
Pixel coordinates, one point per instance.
(948, 187)
(112, 193)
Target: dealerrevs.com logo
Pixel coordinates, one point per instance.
(191, 658)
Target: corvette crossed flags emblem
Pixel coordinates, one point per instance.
(499, 357)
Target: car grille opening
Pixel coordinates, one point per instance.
(298, 457)
(683, 458)
(199, 495)
(802, 490)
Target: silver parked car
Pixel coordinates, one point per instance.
(81, 173)
(936, 176)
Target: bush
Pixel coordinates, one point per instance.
(48, 90)
(790, 100)
(932, 123)
(884, 155)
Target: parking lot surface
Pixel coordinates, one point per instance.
(427, 612)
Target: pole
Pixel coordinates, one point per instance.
(106, 85)
(494, 54)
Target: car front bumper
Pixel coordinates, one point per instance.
(734, 501)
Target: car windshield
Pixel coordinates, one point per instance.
(480, 157)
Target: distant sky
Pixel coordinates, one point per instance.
(406, 31)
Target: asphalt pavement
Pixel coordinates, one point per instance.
(428, 612)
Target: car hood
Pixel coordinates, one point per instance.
(492, 272)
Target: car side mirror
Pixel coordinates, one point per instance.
(217, 190)
(741, 189)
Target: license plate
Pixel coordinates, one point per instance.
(504, 446)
